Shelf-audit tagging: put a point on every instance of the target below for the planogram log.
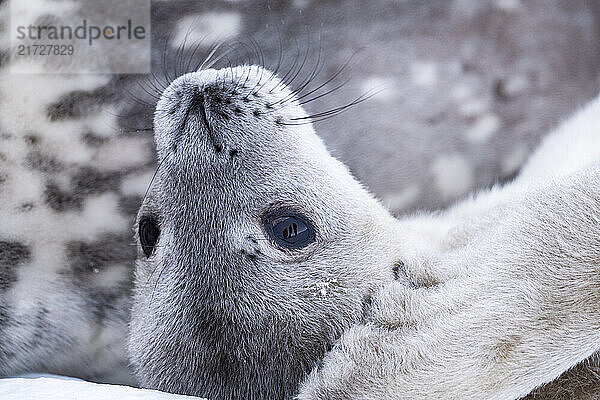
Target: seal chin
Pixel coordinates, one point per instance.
(217, 110)
(197, 107)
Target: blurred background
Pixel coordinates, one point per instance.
(465, 89)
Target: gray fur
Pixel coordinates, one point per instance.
(252, 318)
(11, 255)
(87, 258)
(221, 311)
(41, 162)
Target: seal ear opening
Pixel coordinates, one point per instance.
(149, 232)
(399, 270)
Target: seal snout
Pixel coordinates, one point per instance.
(197, 104)
(225, 112)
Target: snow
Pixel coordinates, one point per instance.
(39, 387)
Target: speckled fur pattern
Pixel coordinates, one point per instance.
(67, 182)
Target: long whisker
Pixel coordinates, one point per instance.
(208, 57)
(165, 66)
(321, 116)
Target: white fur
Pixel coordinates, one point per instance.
(506, 289)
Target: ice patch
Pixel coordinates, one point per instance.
(65, 388)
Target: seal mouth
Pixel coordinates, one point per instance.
(223, 112)
(197, 104)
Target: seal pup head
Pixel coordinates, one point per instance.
(257, 247)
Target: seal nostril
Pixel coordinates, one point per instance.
(233, 152)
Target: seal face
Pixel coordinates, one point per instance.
(257, 247)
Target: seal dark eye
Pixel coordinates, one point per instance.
(148, 231)
(289, 229)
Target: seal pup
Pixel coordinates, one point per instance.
(244, 278)
(258, 250)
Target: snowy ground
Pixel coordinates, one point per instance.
(39, 387)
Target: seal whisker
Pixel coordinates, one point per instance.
(211, 53)
(136, 99)
(291, 69)
(248, 61)
(158, 84)
(148, 91)
(154, 85)
(224, 80)
(261, 62)
(123, 115)
(280, 52)
(193, 54)
(156, 246)
(165, 66)
(153, 177)
(322, 116)
(306, 53)
(129, 130)
(219, 58)
(341, 85)
(180, 51)
(329, 80)
(316, 70)
(276, 70)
